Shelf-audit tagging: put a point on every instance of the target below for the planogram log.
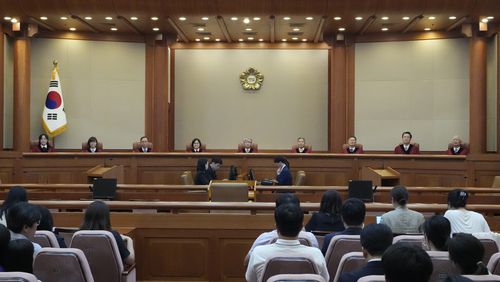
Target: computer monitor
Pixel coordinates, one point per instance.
(104, 188)
(361, 189)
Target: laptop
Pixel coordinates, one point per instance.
(104, 188)
(361, 189)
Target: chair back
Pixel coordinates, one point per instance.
(229, 192)
(187, 178)
(300, 179)
(34, 143)
(490, 248)
(17, 277)
(372, 278)
(85, 146)
(297, 277)
(254, 146)
(494, 264)
(481, 278)
(417, 240)
(442, 266)
(464, 145)
(308, 148)
(357, 145)
(62, 265)
(102, 253)
(339, 246)
(288, 265)
(189, 147)
(46, 239)
(350, 262)
(136, 146)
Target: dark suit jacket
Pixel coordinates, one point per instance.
(412, 150)
(285, 177)
(462, 151)
(38, 149)
(329, 237)
(202, 178)
(211, 173)
(141, 151)
(371, 268)
(324, 222)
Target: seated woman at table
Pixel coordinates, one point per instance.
(352, 147)
(97, 218)
(202, 175)
(43, 144)
(283, 175)
(407, 147)
(196, 146)
(328, 218)
(92, 145)
(301, 146)
(457, 147)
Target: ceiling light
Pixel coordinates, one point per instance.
(250, 38)
(248, 29)
(427, 29)
(358, 18)
(286, 18)
(197, 39)
(204, 18)
(13, 20)
(246, 20)
(217, 39)
(44, 18)
(154, 18)
(63, 18)
(134, 18)
(114, 29)
(384, 29)
(7, 18)
(155, 29)
(384, 18)
(452, 17)
(490, 17)
(200, 29)
(295, 38)
(109, 18)
(337, 18)
(72, 29)
(256, 19)
(485, 20)
(88, 18)
(406, 18)
(240, 40)
(182, 18)
(284, 39)
(296, 29)
(206, 38)
(341, 28)
(261, 39)
(309, 18)
(432, 18)
(304, 39)
(234, 18)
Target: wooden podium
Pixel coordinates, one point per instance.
(101, 171)
(380, 176)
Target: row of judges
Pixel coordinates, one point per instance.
(456, 147)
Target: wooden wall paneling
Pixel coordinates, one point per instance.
(171, 100)
(22, 86)
(338, 122)
(498, 89)
(2, 42)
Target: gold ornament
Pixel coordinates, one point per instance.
(251, 79)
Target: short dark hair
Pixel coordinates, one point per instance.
(96, 217)
(140, 139)
(281, 159)
(467, 252)
(353, 212)
(399, 195)
(437, 230)
(46, 221)
(22, 214)
(407, 132)
(376, 238)
(458, 198)
(404, 262)
(216, 160)
(352, 136)
(286, 198)
(16, 194)
(19, 256)
(289, 218)
(331, 203)
(92, 139)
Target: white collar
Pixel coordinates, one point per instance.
(285, 242)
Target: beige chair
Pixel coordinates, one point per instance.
(17, 277)
(496, 182)
(417, 240)
(481, 278)
(339, 246)
(103, 256)
(442, 266)
(357, 145)
(288, 265)
(350, 262)
(46, 239)
(490, 248)
(494, 264)
(62, 265)
(300, 179)
(296, 277)
(229, 192)
(372, 278)
(187, 178)
(136, 146)
(85, 146)
(254, 146)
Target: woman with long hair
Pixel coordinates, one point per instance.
(328, 218)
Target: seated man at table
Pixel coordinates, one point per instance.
(289, 219)
(457, 147)
(406, 147)
(144, 142)
(213, 166)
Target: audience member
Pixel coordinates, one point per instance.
(47, 224)
(457, 147)
(22, 220)
(461, 219)
(402, 220)
(406, 147)
(4, 243)
(16, 194)
(437, 230)
(202, 175)
(92, 145)
(406, 263)
(352, 146)
(97, 218)
(467, 252)
(328, 217)
(196, 146)
(19, 256)
(43, 144)
(301, 146)
(289, 218)
(353, 215)
(283, 175)
(375, 239)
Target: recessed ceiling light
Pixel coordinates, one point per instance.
(250, 38)
(295, 38)
(432, 18)
(154, 18)
(337, 18)
(406, 18)
(44, 18)
(88, 18)
(108, 18)
(182, 18)
(63, 18)
(358, 18)
(197, 39)
(7, 18)
(304, 39)
(234, 18)
(490, 17)
(452, 17)
(309, 18)
(284, 39)
(286, 18)
(384, 29)
(240, 40)
(217, 39)
(261, 39)
(155, 29)
(256, 19)
(296, 29)
(427, 29)
(114, 29)
(72, 29)
(384, 18)
(200, 29)
(13, 20)
(246, 20)
(248, 29)
(206, 38)
(341, 28)
(485, 20)
(204, 18)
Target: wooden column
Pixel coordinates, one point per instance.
(498, 90)
(341, 95)
(477, 94)
(1, 86)
(22, 80)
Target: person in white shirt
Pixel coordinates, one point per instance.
(461, 219)
(402, 220)
(289, 218)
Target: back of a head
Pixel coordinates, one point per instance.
(216, 160)
(437, 230)
(289, 218)
(467, 252)
(19, 256)
(16, 194)
(331, 203)
(376, 238)
(353, 212)
(201, 165)
(46, 221)
(457, 198)
(287, 198)
(399, 195)
(406, 263)
(96, 217)
(22, 214)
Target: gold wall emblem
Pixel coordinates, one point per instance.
(251, 79)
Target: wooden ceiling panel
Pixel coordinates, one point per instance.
(239, 8)
(94, 8)
(9, 8)
(259, 29)
(47, 8)
(192, 29)
(345, 9)
(306, 28)
(173, 8)
(299, 7)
